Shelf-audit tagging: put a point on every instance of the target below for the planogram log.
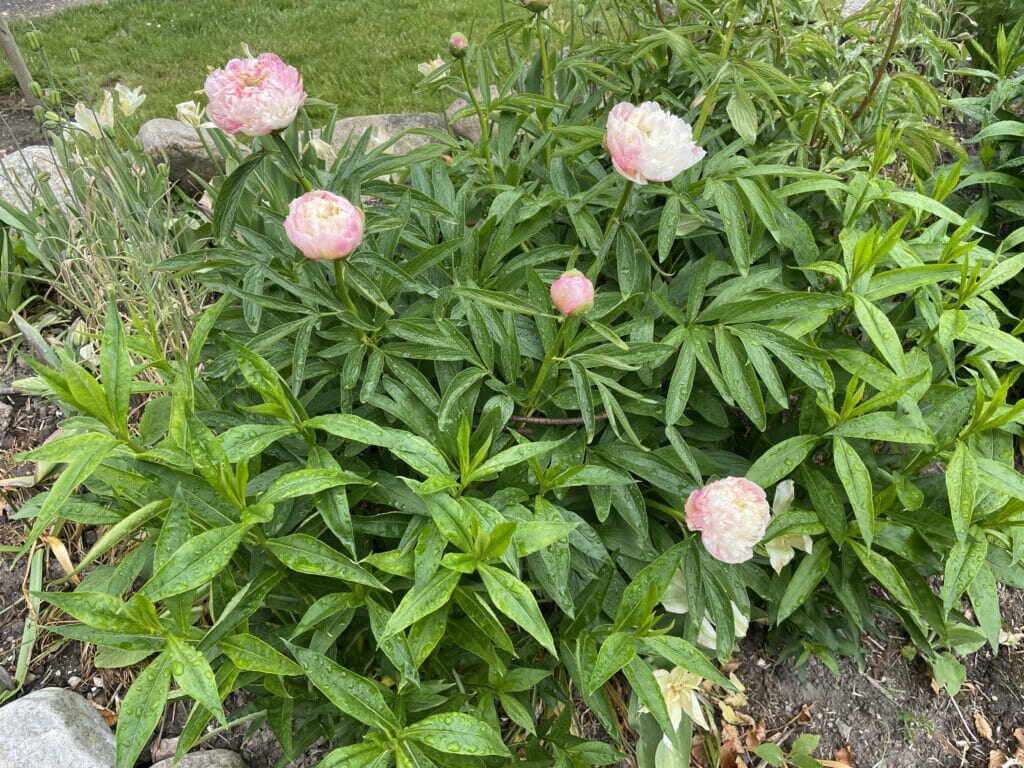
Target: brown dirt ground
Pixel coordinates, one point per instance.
(18, 127)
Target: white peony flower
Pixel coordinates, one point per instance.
(427, 68)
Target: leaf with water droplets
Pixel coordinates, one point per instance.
(141, 710)
(353, 694)
(195, 563)
(457, 734)
(194, 676)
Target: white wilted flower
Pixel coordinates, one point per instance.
(323, 150)
(427, 68)
(94, 122)
(782, 549)
(189, 113)
(675, 600)
(679, 689)
(129, 99)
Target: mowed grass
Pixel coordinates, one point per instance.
(358, 54)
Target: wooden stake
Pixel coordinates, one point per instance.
(13, 54)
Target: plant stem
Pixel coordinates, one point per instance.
(341, 288)
(675, 514)
(549, 87)
(485, 126)
(897, 25)
(553, 350)
(292, 160)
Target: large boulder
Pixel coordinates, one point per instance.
(54, 728)
(25, 171)
(212, 758)
(384, 128)
(468, 127)
(182, 148)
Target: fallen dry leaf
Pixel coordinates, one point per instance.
(756, 735)
(61, 553)
(729, 756)
(982, 726)
(996, 759)
(109, 717)
(1018, 734)
(845, 755)
(805, 715)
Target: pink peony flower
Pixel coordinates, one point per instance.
(324, 225)
(457, 45)
(732, 515)
(649, 144)
(572, 293)
(254, 96)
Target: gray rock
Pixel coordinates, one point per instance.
(182, 148)
(213, 758)
(7, 683)
(386, 127)
(25, 171)
(54, 728)
(468, 127)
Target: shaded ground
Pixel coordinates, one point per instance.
(18, 127)
(890, 715)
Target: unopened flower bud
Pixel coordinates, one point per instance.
(39, 113)
(572, 293)
(827, 89)
(458, 44)
(34, 39)
(36, 90)
(537, 6)
(53, 97)
(75, 57)
(53, 117)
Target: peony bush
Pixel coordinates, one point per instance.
(508, 456)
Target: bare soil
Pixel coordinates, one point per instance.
(891, 714)
(18, 126)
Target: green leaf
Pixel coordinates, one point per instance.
(962, 487)
(250, 653)
(512, 456)
(985, 599)
(365, 755)
(687, 656)
(887, 574)
(881, 332)
(887, 427)
(681, 383)
(514, 599)
(195, 563)
(116, 369)
(305, 554)
(306, 482)
(230, 193)
(667, 228)
(355, 695)
(194, 676)
(949, 672)
(456, 733)
(616, 651)
(96, 609)
(963, 562)
(856, 480)
(413, 450)
(807, 576)
(423, 600)
(243, 442)
(781, 459)
(141, 710)
(742, 114)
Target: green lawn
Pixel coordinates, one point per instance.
(359, 54)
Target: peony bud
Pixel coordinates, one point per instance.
(572, 294)
(458, 44)
(254, 96)
(732, 515)
(649, 144)
(537, 6)
(324, 225)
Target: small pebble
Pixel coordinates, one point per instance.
(74, 681)
(97, 681)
